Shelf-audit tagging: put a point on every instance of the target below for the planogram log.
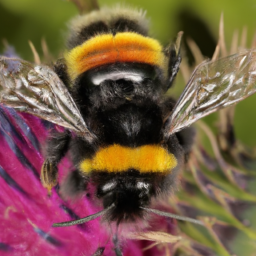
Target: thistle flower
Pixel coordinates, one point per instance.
(27, 212)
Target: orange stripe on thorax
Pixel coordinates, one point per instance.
(108, 48)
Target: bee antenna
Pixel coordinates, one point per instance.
(83, 220)
(175, 216)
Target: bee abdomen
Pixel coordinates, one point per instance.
(104, 21)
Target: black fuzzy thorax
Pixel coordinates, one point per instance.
(127, 123)
(111, 93)
(132, 124)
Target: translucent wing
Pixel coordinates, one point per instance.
(212, 86)
(39, 91)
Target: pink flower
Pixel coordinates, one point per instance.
(27, 212)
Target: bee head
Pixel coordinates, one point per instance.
(128, 195)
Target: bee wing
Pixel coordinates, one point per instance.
(212, 86)
(39, 91)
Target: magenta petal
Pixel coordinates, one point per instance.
(27, 213)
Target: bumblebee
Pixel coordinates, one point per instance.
(126, 138)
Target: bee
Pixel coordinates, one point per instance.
(125, 136)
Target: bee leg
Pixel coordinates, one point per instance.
(173, 52)
(49, 173)
(57, 147)
(99, 251)
(186, 139)
(117, 248)
(60, 68)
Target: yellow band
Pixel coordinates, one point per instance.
(116, 158)
(109, 48)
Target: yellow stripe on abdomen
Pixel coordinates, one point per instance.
(109, 48)
(116, 158)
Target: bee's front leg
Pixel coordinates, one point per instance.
(49, 174)
(173, 53)
(57, 148)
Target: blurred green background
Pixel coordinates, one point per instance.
(23, 20)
